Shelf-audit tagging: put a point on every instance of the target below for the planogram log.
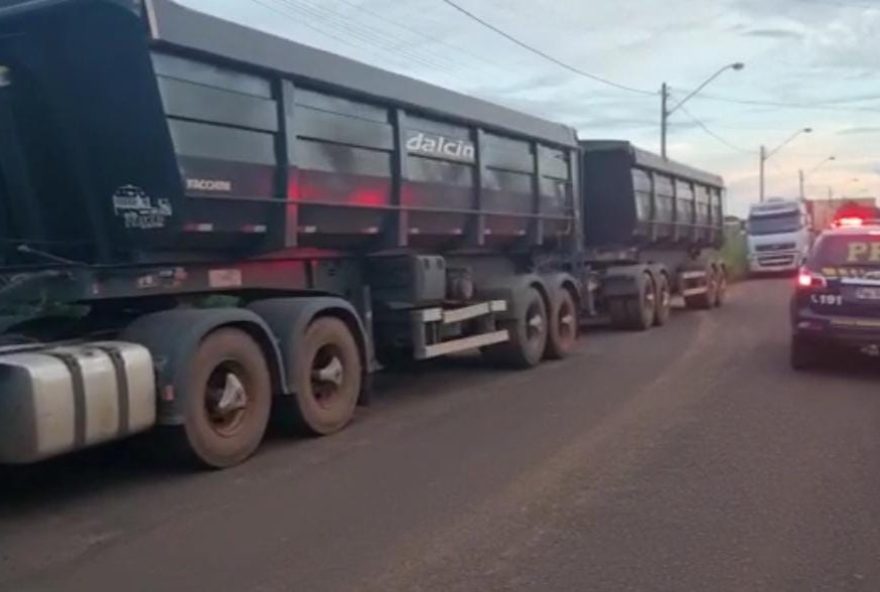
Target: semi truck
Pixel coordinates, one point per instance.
(779, 236)
(205, 227)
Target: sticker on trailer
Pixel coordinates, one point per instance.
(440, 146)
(209, 185)
(138, 210)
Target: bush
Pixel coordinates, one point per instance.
(735, 253)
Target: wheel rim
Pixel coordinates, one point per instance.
(227, 402)
(566, 322)
(649, 301)
(535, 325)
(712, 287)
(327, 375)
(665, 295)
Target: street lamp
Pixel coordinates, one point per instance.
(802, 176)
(765, 156)
(666, 111)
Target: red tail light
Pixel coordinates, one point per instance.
(807, 279)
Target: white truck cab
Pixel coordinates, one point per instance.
(779, 236)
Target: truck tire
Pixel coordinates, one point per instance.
(664, 300)
(635, 313)
(328, 375)
(528, 335)
(563, 329)
(805, 355)
(707, 299)
(228, 401)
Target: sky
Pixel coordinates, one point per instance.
(816, 61)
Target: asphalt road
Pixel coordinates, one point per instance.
(688, 458)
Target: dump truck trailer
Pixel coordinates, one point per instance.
(204, 226)
(652, 230)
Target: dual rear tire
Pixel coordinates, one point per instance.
(229, 394)
(716, 291)
(541, 330)
(327, 379)
(228, 401)
(650, 307)
(563, 326)
(528, 332)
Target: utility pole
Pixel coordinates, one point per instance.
(664, 118)
(802, 176)
(666, 111)
(763, 157)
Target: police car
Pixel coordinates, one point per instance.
(836, 303)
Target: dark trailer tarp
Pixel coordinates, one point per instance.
(150, 131)
(636, 198)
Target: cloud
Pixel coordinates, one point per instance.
(848, 41)
(774, 34)
(854, 131)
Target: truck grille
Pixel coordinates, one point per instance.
(776, 260)
(776, 247)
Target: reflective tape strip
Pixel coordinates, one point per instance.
(79, 395)
(859, 282)
(692, 275)
(694, 291)
(430, 315)
(465, 344)
(850, 322)
(122, 389)
(199, 228)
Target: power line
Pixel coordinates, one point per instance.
(828, 106)
(546, 56)
(265, 4)
(432, 38)
(351, 33)
(359, 31)
(709, 131)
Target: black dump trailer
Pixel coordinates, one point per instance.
(652, 230)
(203, 225)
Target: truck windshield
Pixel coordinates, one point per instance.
(775, 224)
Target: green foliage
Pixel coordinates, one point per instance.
(735, 253)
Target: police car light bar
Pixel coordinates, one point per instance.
(849, 222)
